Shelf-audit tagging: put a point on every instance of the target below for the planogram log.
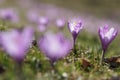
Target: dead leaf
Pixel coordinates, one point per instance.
(115, 78)
(113, 61)
(86, 64)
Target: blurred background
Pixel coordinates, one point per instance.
(93, 13)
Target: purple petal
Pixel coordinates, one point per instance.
(17, 43)
(75, 27)
(32, 16)
(107, 36)
(9, 14)
(43, 20)
(53, 47)
(60, 23)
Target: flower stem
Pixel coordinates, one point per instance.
(74, 50)
(19, 72)
(54, 70)
(102, 57)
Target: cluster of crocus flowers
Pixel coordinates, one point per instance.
(41, 21)
(17, 43)
(107, 35)
(54, 46)
(9, 14)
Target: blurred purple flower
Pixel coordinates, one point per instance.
(0, 40)
(43, 21)
(32, 16)
(107, 36)
(16, 42)
(54, 46)
(41, 28)
(9, 14)
(60, 23)
(75, 27)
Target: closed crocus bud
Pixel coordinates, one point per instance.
(16, 43)
(75, 26)
(60, 23)
(54, 46)
(107, 36)
(9, 14)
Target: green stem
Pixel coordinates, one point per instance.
(102, 57)
(53, 67)
(54, 70)
(19, 72)
(74, 50)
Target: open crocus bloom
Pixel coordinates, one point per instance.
(16, 43)
(54, 46)
(107, 36)
(75, 26)
(9, 14)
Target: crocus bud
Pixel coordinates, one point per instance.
(54, 46)
(75, 26)
(16, 42)
(107, 36)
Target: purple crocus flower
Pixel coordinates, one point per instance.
(32, 16)
(106, 36)
(16, 42)
(60, 23)
(41, 28)
(9, 14)
(75, 26)
(54, 46)
(43, 20)
(42, 23)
